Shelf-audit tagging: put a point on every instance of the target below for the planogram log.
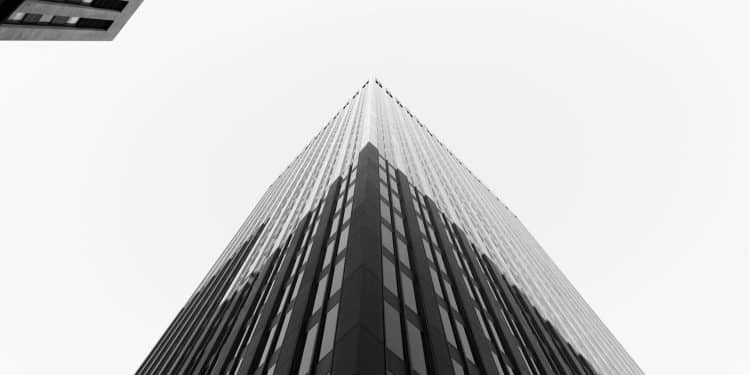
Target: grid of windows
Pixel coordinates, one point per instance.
(400, 310)
(499, 235)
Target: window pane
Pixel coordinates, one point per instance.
(436, 282)
(328, 254)
(458, 370)
(403, 253)
(348, 212)
(427, 250)
(440, 263)
(399, 224)
(396, 203)
(393, 330)
(389, 276)
(464, 341)
(451, 298)
(328, 332)
(320, 293)
(384, 191)
(284, 326)
(384, 212)
(386, 238)
(338, 275)
(416, 351)
(447, 326)
(344, 237)
(408, 289)
(312, 334)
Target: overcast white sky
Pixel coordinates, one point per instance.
(617, 132)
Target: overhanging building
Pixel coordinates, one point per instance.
(64, 19)
(377, 251)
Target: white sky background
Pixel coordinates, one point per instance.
(617, 132)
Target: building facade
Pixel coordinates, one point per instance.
(377, 251)
(64, 19)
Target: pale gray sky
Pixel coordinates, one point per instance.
(617, 132)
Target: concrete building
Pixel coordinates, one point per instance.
(64, 19)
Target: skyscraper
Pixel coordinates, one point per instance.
(64, 19)
(377, 251)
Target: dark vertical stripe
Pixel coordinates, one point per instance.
(251, 353)
(477, 339)
(507, 337)
(439, 360)
(515, 311)
(291, 349)
(173, 337)
(208, 303)
(544, 338)
(359, 346)
(244, 320)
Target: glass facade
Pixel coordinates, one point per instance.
(376, 248)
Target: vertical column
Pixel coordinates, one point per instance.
(506, 336)
(250, 354)
(291, 347)
(359, 343)
(439, 355)
(199, 309)
(515, 312)
(479, 341)
(544, 338)
(232, 340)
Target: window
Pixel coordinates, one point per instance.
(436, 282)
(408, 289)
(344, 237)
(440, 263)
(320, 293)
(312, 334)
(385, 213)
(427, 250)
(464, 341)
(338, 275)
(386, 238)
(328, 332)
(347, 212)
(284, 326)
(327, 255)
(416, 350)
(447, 326)
(396, 204)
(93, 23)
(393, 330)
(451, 297)
(32, 18)
(399, 222)
(59, 20)
(403, 253)
(17, 17)
(389, 276)
(334, 228)
(458, 370)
